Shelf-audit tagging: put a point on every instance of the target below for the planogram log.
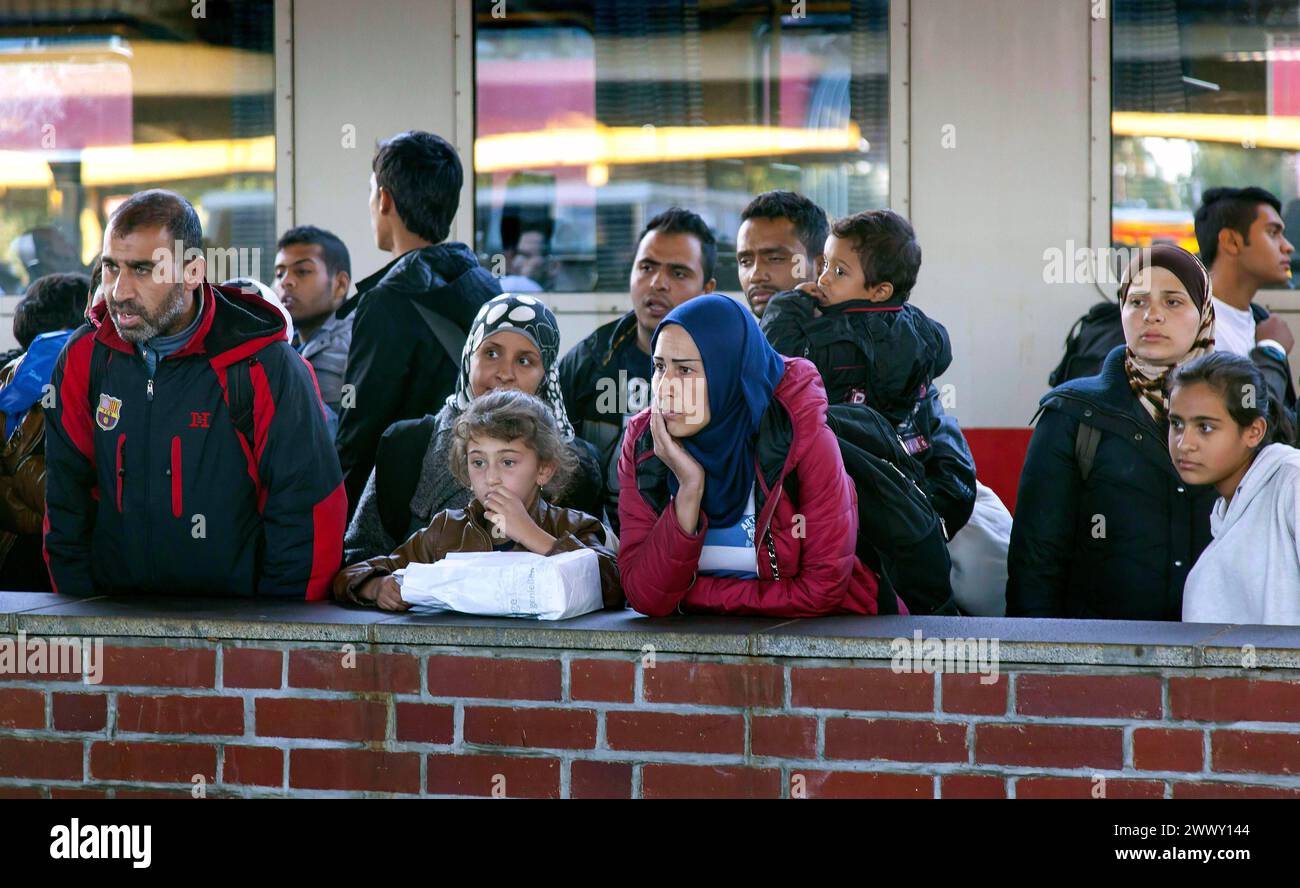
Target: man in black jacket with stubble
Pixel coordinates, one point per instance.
(413, 314)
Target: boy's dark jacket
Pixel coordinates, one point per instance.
(468, 530)
(885, 355)
(149, 485)
(397, 365)
(1120, 544)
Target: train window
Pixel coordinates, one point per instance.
(593, 116)
(92, 109)
(1203, 95)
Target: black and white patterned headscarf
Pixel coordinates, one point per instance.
(530, 317)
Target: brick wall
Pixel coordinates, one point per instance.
(286, 718)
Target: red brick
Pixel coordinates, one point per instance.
(48, 759)
(494, 678)
(600, 780)
(1083, 788)
(894, 739)
(541, 728)
(389, 673)
(321, 719)
(512, 777)
(1089, 696)
(80, 712)
(178, 794)
(1212, 790)
(966, 694)
(703, 782)
(425, 723)
(357, 770)
(181, 715)
(251, 668)
(161, 762)
(714, 684)
(1234, 699)
(255, 765)
(163, 667)
(786, 736)
(21, 792)
(870, 687)
(1168, 749)
(38, 660)
(57, 792)
(676, 733)
(21, 708)
(611, 680)
(1060, 746)
(1257, 752)
(972, 786)
(859, 785)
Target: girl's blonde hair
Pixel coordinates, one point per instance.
(507, 416)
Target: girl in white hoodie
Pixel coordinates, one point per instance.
(1225, 430)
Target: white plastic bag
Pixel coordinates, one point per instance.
(979, 557)
(506, 584)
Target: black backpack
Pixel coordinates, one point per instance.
(900, 535)
(1091, 338)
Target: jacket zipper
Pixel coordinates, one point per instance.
(121, 469)
(148, 471)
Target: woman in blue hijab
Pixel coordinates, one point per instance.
(709, 523)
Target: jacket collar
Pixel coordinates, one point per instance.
(445, 261)
(245, 324)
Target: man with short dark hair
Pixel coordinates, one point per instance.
(313, 272)
(1240, 235)
(606, 377)
(526, 245)
(782, 235)
(412, 316)
(186, 450)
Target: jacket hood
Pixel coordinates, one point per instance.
(233, 324)
(1274, 467)
(445, 278)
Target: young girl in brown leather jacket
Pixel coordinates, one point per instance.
(507, 449)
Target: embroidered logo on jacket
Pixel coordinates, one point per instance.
(110, 410)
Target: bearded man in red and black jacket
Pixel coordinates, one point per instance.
(187, 449)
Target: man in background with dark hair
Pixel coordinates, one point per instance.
(313, 273)
(782, 235)
(526, 245)
(412, 316)
(605, 378)
(43, 321)
(1240, 235)
(186, 445)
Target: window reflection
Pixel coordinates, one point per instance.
(99, 100)
(1204, 95)
(593, 116)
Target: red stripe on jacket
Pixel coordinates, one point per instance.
(329, 521)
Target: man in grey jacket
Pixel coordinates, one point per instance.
(313, 273)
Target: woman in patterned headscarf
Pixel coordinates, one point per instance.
(1104, 527)
(513, 343)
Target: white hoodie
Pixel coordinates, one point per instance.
(1250, 572)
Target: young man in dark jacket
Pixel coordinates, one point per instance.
(606, 377)
(186, 450)
(779, 246)
(413, 314)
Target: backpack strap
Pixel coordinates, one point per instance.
(239, 395)
(449, 336)
(99, 359)
(1086, 440)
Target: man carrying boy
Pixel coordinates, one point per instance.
(873, 347)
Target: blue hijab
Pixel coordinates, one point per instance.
(742, 372)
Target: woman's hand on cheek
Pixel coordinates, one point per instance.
(670, 451)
